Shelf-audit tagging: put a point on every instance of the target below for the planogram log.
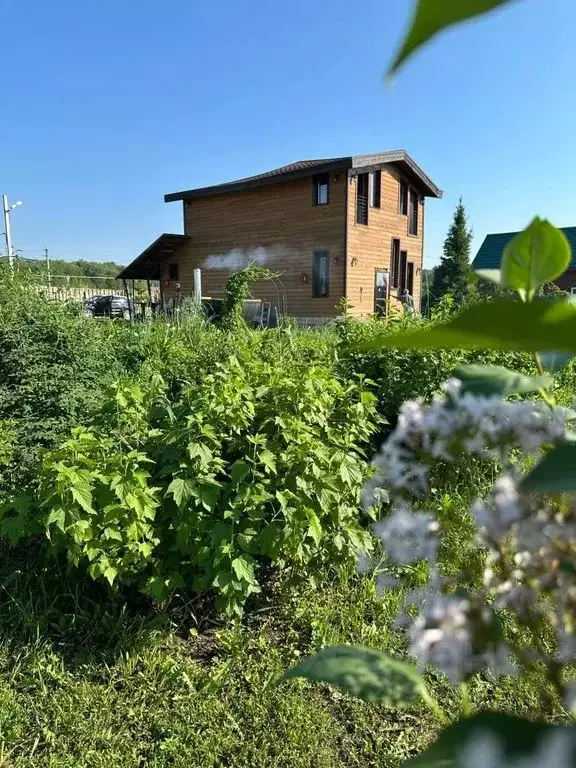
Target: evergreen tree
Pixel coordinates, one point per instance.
(452, 275)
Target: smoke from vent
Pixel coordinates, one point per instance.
(238, 258)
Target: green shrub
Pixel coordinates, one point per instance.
(54, 368)
(403, 374)
(258, 462)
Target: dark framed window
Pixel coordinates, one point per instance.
(403, 202)
(413, 212)
(375, 189)
(410, 278)
(403, 271)
(320, 274)
(395, 263)
(362, 198)
(172, 271)
(321, 193)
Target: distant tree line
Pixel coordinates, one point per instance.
(74, 273)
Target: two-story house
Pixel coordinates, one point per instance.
(345, 228)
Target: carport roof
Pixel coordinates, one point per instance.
(147, 265)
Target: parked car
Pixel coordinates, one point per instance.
(107, 306)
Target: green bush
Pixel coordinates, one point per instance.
(403, 374)
(54, 368)
(258, 462)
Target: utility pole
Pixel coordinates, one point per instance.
(7, 209)
(47, 266)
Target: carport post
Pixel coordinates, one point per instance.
(127, 292)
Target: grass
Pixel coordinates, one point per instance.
(89, 682)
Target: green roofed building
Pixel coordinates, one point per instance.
(490, 255)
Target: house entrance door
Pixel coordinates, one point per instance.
(381, 289)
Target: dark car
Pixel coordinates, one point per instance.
(107, 306)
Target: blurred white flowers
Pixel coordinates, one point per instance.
(456, 423)
(530, 565)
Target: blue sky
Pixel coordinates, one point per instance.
(107, 105)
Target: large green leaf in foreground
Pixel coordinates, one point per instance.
(539, 254)
(497, 380)
(555, 473)
(501, 324)
(491, 740)
(432, 16)
(364, 673)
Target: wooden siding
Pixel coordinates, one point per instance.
(280, 219)
(369, 247)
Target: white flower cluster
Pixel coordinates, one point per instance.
(456, 423)
(531, 548)
(531, 552)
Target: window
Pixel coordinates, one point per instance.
(413, 213)
(395, 263)
(173, 272)
(410, 278)
(375, 189)
(362, 199)
(320, 274)
(403, 204)
(403, 271)
(321, 188)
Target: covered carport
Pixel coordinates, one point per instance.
(149, 265)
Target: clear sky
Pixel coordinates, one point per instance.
(108, 104)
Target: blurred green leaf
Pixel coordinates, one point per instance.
(500, 741)
(555, 361)
(493, 275)
(497, 380)
(367, 674)
(555, 473)
(499, 324)
(433, 16)
(538, 254)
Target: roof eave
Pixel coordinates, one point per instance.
(402, 158)
(135, 270)
(241, 185)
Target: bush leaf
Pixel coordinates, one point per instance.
(500, 324)
(535, 256)
(367, 674)
(496, 380)
(432, 16)
(499, 741)
(555, 473)
(181, 489)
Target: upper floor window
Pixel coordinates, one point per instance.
(375, 189)
(320, 276)
(403, 202)
(413, 212)
(362, 199)
(321, 189)
(172, 271)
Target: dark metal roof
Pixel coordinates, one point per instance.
(304, 168)
(490, 254)
(147, 265)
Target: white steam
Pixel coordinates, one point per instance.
(238, 258)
